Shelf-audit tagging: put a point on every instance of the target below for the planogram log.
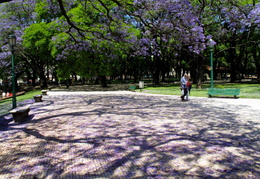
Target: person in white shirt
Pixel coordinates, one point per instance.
(184, 89)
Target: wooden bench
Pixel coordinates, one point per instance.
(132, 88)
(20, 113)
(223, 92)
(37, 98)
(44, 92)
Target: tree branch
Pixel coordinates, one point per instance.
(2, 1)
(68, 19)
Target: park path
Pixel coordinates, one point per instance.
(133, 135)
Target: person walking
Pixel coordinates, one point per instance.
(184, 89)
(188, 86)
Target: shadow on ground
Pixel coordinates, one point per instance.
(130, 136)
(110, 87)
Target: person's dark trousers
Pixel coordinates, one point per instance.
(185, 93)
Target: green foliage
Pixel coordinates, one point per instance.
(37, 37)
(110, 38)
(58, 41)
(41, 10)
(97, 59)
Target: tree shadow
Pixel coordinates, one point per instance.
(131, 136)
(4, 121)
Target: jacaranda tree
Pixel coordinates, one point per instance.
(98, 37)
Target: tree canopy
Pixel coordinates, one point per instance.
(98, 38)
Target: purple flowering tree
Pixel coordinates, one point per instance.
(168, 27)
(27, 20)
(164, 26)
(233, 25)
(15, 17)
(97, 37)
(93, 42)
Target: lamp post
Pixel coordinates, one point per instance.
(211, 46)
(12, 43)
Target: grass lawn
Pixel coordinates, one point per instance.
(247, 90)
(27, 95)
(6, 105)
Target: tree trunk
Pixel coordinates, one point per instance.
(232, 58)
(34, 78)
(156, 76)
(28, 76)
(199, 71)
(243, 56)
(55, 78)
(103, 80)
(164, 70)
(257, 61)
(43, 79)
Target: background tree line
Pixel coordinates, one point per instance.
(99, 38)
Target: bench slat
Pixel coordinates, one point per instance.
(132, 88)
(214, 92)
(19, 109)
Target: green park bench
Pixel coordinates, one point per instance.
(223, 92)
(132, 88)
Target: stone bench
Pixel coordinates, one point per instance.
(37, 98)
(223, 92)
(44, 92)
(20, 113)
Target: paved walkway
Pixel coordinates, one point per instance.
(133, 135)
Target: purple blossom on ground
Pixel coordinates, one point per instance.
(130, 135)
